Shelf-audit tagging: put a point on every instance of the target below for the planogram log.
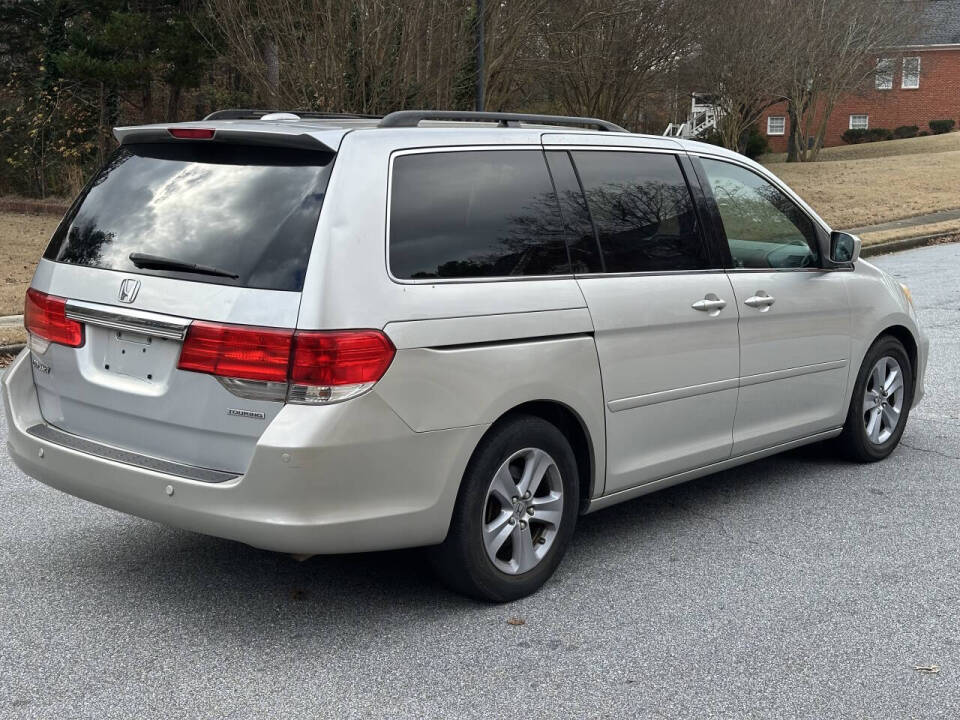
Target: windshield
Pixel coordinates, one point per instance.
(249, 211)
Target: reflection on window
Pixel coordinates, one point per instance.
(642, 210)
(764, 228)
(249, 211)
(585, 254)
(483, 213)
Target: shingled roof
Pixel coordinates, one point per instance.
(940, 23)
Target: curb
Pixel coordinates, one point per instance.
(11, 320)
(907, 243)
(12, 349)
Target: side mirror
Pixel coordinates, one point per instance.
(844, 248)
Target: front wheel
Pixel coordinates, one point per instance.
(515, 513)
(880, 404)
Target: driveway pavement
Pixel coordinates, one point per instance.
(800, 586)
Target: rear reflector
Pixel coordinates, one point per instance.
(192, 133)
(45, 316)
(313, 366)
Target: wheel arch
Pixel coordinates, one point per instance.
(574, 428)
(906, 337)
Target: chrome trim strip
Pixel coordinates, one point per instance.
(682, 393)
(139, 321)
(792, 372)
(663, 396)
(53, 435)
(605, 501)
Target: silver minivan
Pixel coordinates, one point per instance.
(325, 334)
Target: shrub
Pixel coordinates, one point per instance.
(855, 137)
(755, 144)
(905, 131)
(923, 133)
(939, 127)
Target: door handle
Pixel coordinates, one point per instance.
(762, 301)
(710, 304)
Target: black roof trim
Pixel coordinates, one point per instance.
(412, 118)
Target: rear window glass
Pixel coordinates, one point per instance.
(643, 211)
(477, 213)
(250, 212)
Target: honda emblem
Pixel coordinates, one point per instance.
(128, 290)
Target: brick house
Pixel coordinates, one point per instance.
(914, 85)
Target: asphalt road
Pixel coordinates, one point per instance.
(800, 586)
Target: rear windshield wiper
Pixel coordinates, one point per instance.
(155, 262)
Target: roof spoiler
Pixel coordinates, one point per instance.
(266, 136)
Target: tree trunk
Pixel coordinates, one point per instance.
(793, 143)
(173, 103)
(272, 65)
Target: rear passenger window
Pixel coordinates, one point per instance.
(643, 211)
(471, 214)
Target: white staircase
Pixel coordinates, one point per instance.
(703, 117)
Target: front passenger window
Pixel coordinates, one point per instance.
(764, 228)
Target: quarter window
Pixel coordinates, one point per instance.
(764, 228)
(859, 122)
(911, 73)
(776, 125)
(471, 214)
(642, 210)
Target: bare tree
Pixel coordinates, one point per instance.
(739, 62)
(359, 56)
(603, 57)
(831, 51)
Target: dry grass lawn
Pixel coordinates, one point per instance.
(888, 148)
(851, 193)
(22, 240)
(916, 231)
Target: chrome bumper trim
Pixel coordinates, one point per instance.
(56, 436)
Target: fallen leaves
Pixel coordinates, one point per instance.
(516, 622)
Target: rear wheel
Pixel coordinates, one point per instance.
(515, 513)
(880, 404)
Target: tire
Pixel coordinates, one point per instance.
(527, 547)
(862, 441)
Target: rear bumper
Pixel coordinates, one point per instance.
(350, 477)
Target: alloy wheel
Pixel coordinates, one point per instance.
(883, 400)
(522, 511)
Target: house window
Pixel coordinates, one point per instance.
(911, 73)
(884, 76)
(859, 122)
(776, 125)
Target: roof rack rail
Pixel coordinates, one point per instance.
(250, 114)
(412, 118)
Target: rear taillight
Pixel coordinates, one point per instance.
(45, 318)
(302, 367)
(235, 351)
